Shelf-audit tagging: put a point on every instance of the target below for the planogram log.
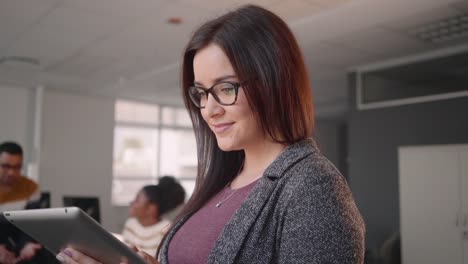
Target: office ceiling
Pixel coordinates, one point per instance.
(127, 49)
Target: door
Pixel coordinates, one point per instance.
(463, 158)
(430, 205)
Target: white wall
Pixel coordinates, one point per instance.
(16, 106)
(76, 156)
(77, 143)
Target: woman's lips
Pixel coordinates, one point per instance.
(220, 128)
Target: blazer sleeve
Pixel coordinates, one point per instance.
(321, 224)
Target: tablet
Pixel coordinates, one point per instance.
(57, 228)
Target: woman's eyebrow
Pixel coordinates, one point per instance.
(217, 80)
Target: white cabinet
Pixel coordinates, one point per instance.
(464, 192)
(433, 184)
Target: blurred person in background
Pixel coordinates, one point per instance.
(15, 191)
(148, 220)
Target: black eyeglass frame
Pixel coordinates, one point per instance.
(208, 91)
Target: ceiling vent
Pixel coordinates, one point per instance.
(447, 29)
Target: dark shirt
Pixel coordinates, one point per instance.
(194, 240)
(11, 236)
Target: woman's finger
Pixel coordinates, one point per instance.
(148, 258)
(135, 249)
(65, 259)
(72, 256)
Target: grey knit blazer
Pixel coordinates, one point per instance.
(300, 211)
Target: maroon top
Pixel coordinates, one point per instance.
(196, 237)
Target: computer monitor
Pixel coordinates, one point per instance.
(89, 205)
(42, 202)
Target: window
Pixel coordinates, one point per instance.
(151, 141)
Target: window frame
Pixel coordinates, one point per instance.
(160, 126)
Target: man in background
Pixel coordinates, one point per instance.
(15, 191)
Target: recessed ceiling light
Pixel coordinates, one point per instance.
(174, 20)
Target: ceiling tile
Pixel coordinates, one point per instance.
(293, 10)
(120, 8)
(413, 21)
(18, 16)
(378, 41)
(328, 3)
(175, 37)
(82, 65)
(222, 6)
(148, 44)
(357, 15)
(63, 32)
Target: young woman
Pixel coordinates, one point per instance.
(147, 223)
(264, 193)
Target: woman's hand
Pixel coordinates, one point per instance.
(145, 256)
(28, 251)
(72, 256)
(148, 258)
(7, 256)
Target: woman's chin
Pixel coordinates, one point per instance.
(227, 146)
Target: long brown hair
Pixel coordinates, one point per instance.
(264, 53)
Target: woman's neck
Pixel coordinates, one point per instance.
(256, 161)
(147, 221)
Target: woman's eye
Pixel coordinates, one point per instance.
(228, 90)
(199, 92)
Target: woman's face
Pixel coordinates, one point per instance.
(139, 205)
(234, 126)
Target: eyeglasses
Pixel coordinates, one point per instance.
(6, 166)
(225, 93)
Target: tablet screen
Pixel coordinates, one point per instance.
(57, 228)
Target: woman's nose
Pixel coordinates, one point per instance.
(212, 107)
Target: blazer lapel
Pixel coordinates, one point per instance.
(236, 230)
(234, 233)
